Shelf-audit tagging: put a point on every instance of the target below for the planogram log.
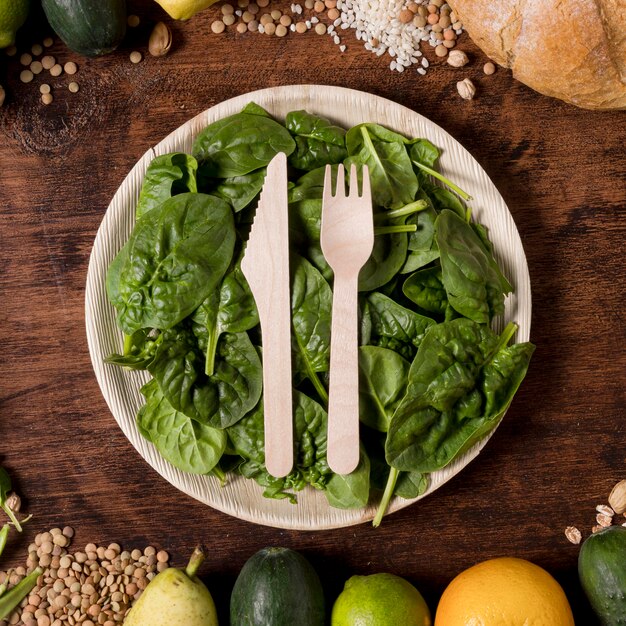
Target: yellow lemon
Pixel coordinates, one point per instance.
(380, 600)
(504, 592)
(13, 14)
(184, 9)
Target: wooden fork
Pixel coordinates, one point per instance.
(347, 239)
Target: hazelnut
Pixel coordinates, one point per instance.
(457, 58)
(466, 89)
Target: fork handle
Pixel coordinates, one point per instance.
(343, 395)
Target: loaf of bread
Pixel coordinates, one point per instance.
(574, 50)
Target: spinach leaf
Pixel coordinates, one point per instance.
(240, 144)
(387, 258)
(424, 152)
(219, 400)
(459, 385)
(472, 286)
(411, 485)
(393, 180)
(426, 289)
(310, 466)
(255, 109)
(230, 309)
(176, 256)
(310, 186)
(166, 176)
(445, 199)
(418, 259)
(187, 444)
(139, 350)
(350, 491)
(390, 320)
(318, 142)
(382, 375)
(239, 191)
(311, 303)
(483, 235)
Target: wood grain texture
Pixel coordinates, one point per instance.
(555, 456)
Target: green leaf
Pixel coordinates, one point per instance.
(255, 109)
(219, 400)
(239, 191)
(318, 142)
(457, 392)
(392, 178)
(230, 309)
(350, 491)
(166, 176)
(472, 286)
(176, 255)
(187, 444)
(426, 289)
(311, 303)
(424, 152)
(382, 384)
(240, 144)
(139, 350)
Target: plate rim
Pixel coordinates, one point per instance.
(189, 483)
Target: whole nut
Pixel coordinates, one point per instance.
(617, 499)
(466, 89)
(160, 40)
(457, 58)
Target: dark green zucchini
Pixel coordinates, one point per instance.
(602, 572)
(277, 587)
(89, 27)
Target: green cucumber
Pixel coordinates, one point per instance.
(602, 572)
(89, 27)
(277, 586)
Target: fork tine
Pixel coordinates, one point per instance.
(354, 182)
(328, 183)
(366, 190)
(340, 189)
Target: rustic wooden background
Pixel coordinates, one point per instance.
(561, 171)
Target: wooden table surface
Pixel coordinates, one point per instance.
(561, 171)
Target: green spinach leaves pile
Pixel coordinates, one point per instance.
(435, 378)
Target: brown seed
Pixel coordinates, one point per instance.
(242, 28)
(68, 531)
(263, 3)
(229, 19)
(419, 21)
(276, 15)
(133, 21)
(330, 4)
(285, 20)
(301, 27)
(318, 6)
(333, 14)
(218, 27)
(47, 42)
(37, 49)
(47, 98)
(320, 28)
(162, 556)
(48, 62)
(253, 26)
(405, 16)
(247, 17)
(45, 88)
(70, 68)
(433, 18)
(266, 19)
(441, 50)
(489, 68)
(450, 43)
(26, 59)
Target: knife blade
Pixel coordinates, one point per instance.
(265, 265)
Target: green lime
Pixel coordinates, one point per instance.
(13, 14)
(380, 600)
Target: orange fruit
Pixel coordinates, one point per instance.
(504, 592)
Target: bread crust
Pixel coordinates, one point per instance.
(574, 50)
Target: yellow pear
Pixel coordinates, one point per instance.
(175, 598)
(184, 9)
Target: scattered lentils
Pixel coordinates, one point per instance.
(84, 587)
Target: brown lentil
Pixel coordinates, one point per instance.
(270, 28)
(318, 6)
(37, 49)
(320, 28)
(301, 27)
(26, 59)
(441, 50)
(26, 76)
(47, 98)
(228, 19)
(48, 62)
(242, 28)
(276, 15)
(333, 14)
(73, 87)
(218, 27)
(285, 20)
(36, 67)
(405, 16)
(133, 21)
(56, 70)
(11, 51)
(227, 9)
(489, 68)
(45, 88)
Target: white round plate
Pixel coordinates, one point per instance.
(243, 498)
